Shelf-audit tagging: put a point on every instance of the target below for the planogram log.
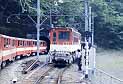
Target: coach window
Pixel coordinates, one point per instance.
(26, 43)
(23, 43)
(35, 43)
(6, 42)
(9, 42)
(41, 43)
(29, 43)
(54, 37)
(13, 43)
(18, 42)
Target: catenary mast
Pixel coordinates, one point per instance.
(38, 28)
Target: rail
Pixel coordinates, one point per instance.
(29, 67)
(38, 81)
(59, 79)
(101, 77)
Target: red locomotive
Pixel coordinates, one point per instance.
(64, 39)
(63, 42)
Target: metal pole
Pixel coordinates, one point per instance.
(86, 59)
(86, 15)
(38, 28)
(90, 38)
(92, 30)
(89, 19)
(93, 41)
(50, 18)
(86, 41)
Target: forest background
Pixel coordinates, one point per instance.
(108, 18)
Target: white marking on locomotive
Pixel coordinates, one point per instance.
(69, 48)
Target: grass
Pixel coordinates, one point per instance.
(111, 61)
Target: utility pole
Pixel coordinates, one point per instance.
(90, 23)
(92, 29)
(89, 38)
(51, 17)
(86, 39)
(86, 15)
(38, 28)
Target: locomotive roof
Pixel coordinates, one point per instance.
(63, 28)
(73, 29)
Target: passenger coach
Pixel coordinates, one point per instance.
(12, 48)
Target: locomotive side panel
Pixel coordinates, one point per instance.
(76, 37)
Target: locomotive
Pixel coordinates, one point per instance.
(64, 40)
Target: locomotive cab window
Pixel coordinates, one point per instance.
(64, 35)
(54, 37)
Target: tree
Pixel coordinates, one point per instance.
(108, 18)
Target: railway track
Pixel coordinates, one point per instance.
(36, 75)
(47, 74)
(53, 76)
(29, 65)
(13, 70)
(60, 75)
(43, 75)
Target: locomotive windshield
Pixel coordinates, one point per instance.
(64, 35)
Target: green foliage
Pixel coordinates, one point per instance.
(108, 23)
(108, 18)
